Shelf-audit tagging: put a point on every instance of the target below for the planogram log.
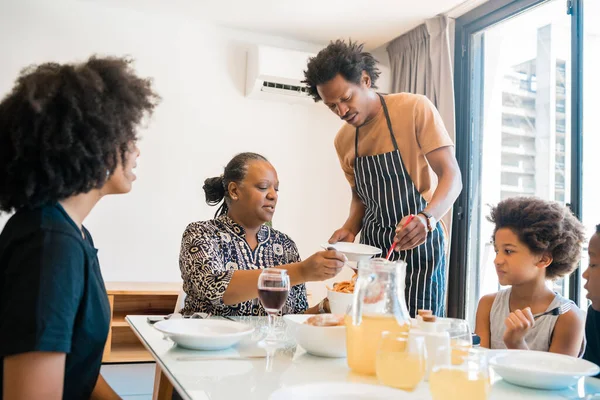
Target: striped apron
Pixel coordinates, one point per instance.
(388, 193)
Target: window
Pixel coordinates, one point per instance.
(516, 70)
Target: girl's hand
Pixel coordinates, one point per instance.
(518, 323)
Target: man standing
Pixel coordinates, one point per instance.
(399, 161)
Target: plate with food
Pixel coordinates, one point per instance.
(322, 335)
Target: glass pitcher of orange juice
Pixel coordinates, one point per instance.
(378, 306)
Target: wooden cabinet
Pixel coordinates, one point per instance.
(134, 298)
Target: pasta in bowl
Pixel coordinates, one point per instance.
(340, 296)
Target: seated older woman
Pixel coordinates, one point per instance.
(221, 259)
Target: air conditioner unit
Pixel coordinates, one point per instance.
(276, 74)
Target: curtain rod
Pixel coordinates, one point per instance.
(462, 8)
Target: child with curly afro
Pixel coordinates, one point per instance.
(535, 241)
(67, 138)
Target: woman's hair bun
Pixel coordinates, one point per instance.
(214, 190)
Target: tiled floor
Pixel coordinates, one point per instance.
(130, 381)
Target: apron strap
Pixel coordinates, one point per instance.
(389, 124)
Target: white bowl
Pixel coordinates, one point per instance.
(541, 370)
(204, 334)
(355, 251)
(322, 341)
(339, 303)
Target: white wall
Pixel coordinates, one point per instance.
(203, 121)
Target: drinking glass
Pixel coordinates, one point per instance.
(273, 290)
(461, 340)
(400, 362)
(464, 377)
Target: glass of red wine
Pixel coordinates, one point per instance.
(273, 289)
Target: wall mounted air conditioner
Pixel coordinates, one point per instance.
(276, 74)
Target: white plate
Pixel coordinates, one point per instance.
(338, 391)
(322, 341)
(541, 370)
(355, 251)
(204, 334)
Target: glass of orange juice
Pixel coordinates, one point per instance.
(400, 362)
(458, 328)
(460, 337)
(464, 376)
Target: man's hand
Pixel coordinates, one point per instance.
(413, 234)
(342, 235)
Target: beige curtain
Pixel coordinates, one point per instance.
(421, 62)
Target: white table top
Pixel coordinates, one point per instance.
(291, 365)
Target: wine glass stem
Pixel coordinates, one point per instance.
(270, 357)
(271, 332)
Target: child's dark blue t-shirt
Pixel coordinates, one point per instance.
(592, 336)
(52, 296)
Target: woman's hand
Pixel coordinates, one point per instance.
(518, 323)
(316, 309)
(322, 265)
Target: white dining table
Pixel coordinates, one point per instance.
(290, 365)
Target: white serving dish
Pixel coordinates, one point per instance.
(355, 252)
(322, 341)
(204, 334)
(541, 370)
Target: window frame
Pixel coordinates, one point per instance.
(469, 52)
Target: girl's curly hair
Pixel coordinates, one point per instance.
(65, 127)
(544, 227)
(339, 57)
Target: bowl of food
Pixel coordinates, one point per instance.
(341, 296)
(322, 335)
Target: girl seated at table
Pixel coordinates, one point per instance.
(535, 241)
(67, 138)
(221, 259)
